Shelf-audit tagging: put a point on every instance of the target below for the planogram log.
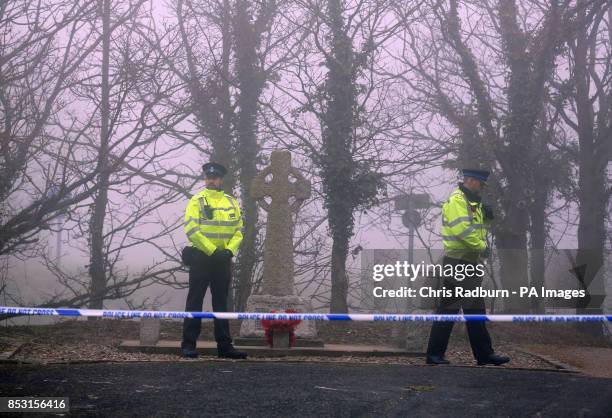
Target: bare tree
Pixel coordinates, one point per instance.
(205, 33)
(485, 68)
(227, 46)
(335, 105)
(96, 264)
(36, 69)
(129, 124)
(583, 99)
(116, 119)
(41, 175)
(250, 26)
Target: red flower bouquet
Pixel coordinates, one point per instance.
(271, 326)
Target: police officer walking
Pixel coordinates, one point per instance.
(213, 225)
(464, 227)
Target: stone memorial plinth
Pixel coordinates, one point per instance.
(280, 340)
(149, 331)
(280, 182)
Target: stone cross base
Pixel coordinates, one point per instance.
(269, 303)
(280, 340)
(149, 331)
(414, 336)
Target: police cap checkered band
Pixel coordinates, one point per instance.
(212, 169)
(481, 175)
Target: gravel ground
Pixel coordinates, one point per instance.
(98, 340)
(70, 353)
(63, 360)
(592, 361)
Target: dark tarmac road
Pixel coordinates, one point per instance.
(307, 389)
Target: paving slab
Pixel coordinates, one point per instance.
(328, 350)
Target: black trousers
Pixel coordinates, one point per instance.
(207, 271)
(480, 340)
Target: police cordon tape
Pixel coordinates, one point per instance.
(112, 313)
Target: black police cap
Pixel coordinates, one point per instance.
(481, 175)
(214, 170)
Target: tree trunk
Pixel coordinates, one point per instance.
(530, 68)
(513, 268)
(97, 266)
(338, 167)
(593, 160)
(339, 284)
(222, 142)
(538, 233)
(250, 77)
(511, 239)
(591, 236)
(589, 263)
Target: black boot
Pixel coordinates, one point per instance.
(433, 359)
(189, 352)
(494, 359)
(231, 352)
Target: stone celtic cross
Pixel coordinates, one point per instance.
(278, 245)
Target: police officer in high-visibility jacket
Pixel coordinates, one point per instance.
(213, 224)
(464, 229)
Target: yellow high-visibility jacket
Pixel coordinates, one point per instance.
(223, 230)
(464, 229)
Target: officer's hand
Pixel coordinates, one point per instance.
(487, 211)
(187, 255)
(222, 255)
(486, 253)
(219, 254)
